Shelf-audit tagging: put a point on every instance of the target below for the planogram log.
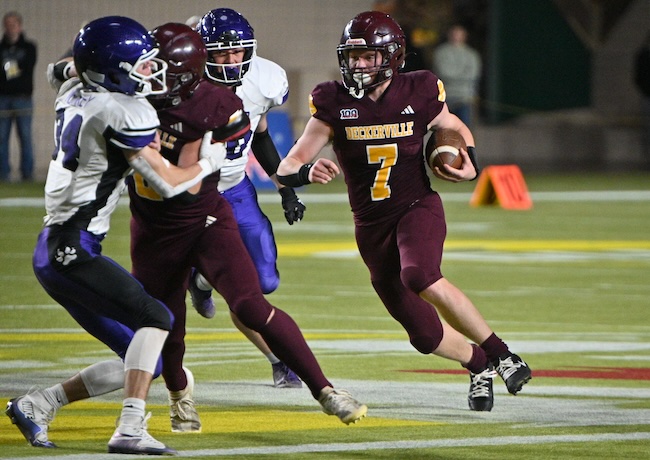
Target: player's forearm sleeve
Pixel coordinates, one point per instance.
(265, 152)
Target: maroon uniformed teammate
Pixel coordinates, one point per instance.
(377, 119)
(198, 229)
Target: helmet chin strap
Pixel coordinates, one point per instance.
(357, 92)
(361, 79)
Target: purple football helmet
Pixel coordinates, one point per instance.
(225, 29)
(108, 53)
(376, 31)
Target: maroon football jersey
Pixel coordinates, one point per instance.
(379, 145)
(211, 106)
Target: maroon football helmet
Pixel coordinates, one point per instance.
(376, 31)
(182, 48)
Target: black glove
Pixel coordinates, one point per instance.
(293, 207)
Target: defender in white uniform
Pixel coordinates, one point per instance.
(261, 84)
(104, 129)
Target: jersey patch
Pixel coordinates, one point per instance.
(349, 114)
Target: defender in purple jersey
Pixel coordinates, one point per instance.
(377, 119)
(196, 229)
(261, 85)
(104, 129)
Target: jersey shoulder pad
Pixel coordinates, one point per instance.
(323, 96)
(68, 86)
(268, 80)
(133, 120)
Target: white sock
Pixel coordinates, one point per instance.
(55, 396)
(272, 358)
(132, 412)
(202, 283)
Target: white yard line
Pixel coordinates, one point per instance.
(381, 445)
(600, 195)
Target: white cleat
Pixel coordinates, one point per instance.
(342, 404)
(182, 413)
(32, 420)
(134, 439)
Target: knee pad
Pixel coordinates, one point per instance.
(103, 377)
(414, 278)
(144, 350)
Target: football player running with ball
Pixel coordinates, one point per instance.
(377, 119)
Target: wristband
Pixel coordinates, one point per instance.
(298, 179)
(471, 152)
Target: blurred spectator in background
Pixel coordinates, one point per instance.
(642, 81)
(18, 57)
(459, 67)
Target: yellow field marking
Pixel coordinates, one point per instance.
(308, 249)
(85, 337)
(309, 335)
(311, 248)
(262, 420)
(47, 337)
(235, 336)
(88, 420)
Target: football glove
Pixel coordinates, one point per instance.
(294, 209)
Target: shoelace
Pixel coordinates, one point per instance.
(49, 416)
(341, 399)
(182, 407)
(507, 367)
(480, 387)
(144, 434)
(142, 428)
(280, 373)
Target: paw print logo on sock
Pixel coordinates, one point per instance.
(66, 255)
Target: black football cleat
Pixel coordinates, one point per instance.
(480, 397)
(514, 372)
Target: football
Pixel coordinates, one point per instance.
(443, 148)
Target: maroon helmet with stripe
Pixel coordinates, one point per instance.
(377, 31)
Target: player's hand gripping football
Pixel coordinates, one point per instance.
(215, 152)
(294, 209)
(465, 173)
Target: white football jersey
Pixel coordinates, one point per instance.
(86, 174)
(263, 87)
